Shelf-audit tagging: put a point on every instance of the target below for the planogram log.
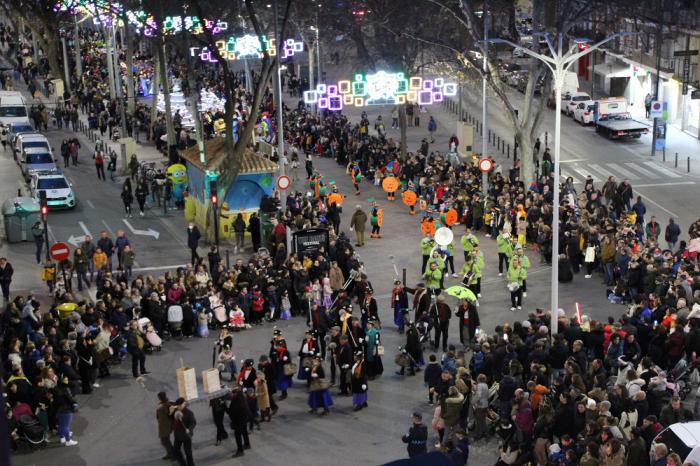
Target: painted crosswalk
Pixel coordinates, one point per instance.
(649, 172)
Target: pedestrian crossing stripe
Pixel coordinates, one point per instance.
(623, 170)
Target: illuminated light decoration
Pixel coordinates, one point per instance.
(425, 97)
(292, 47)
(311, 97)
(381, 88)
(449, 89)
(335, 103)
(415, 83)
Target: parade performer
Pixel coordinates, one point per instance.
(372, 349)
(358, 382)
(282, 358)
(375, 219)
(356, 176)
(308, 349)
(399, 302)
(319, 394)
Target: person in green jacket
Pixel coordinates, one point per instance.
(450, 260)
(477, 213)
(516, 274)
(469, 274)
(438, 257)
(469, 242)
(519, 254)
(432, 278)
(426, 245)
(128, 258)
(478, 258)
(505, 250)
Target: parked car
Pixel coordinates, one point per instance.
(30, 140)
(682, 438)
(17, 128)
(59, 192)
(584, 112)
(574, 98)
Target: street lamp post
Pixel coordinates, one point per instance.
(558, 63)
(484, 103)
(280, 101)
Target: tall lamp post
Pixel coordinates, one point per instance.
(558, 63)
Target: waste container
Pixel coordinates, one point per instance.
(19, 214)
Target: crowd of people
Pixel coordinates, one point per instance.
(597, 393)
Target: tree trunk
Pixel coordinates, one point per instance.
(402, 127)
(130, 88)
(52, 54)
(525, 155)
(160, 50)
(154, 96)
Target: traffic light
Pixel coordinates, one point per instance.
(43, 205)
(213, 192)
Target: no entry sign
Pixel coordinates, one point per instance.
(283, 182)
(485, 165)
(59, 251)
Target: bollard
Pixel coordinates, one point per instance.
(676, 160)
(488, 138)
(403, 275)
(664, 156)
(508, 151)
(498, 146)
(228, 261)
(688, 164)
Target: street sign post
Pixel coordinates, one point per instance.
(283, 183)
(60, 251)
(485, 165)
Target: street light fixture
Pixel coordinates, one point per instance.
(558, 63)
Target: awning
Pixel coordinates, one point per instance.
(609, 70)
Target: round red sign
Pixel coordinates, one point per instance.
(60, 251)
(486, 165)
(283, 182)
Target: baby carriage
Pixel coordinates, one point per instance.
(29, 428)
(175, 320)
(155, 343)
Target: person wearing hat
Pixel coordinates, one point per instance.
(345, 361)
(375, 219)
(265, 367)
(319, 395)
(309, 348)
(246, 378)
(357, 223)
(358, 382)
(356, 176)
(421, 300)
(417, 436)
(280, 359)
(184, 423)
(441, 316)
(369, 309)
(372, 349)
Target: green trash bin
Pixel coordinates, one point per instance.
(19, 214)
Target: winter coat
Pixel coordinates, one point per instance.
(239, 411)
(358, 221)
(451, 408)
(262, 394)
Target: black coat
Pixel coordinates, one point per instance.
(358, 378)
(564, 420)
(417, 440)
(239, 411)
(270, 376)
(6, 273)
(193, 236)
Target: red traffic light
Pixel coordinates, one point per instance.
(214, 199)
(44, 210)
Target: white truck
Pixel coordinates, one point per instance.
(13, 108)
(613, 120)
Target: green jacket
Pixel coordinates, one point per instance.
(478, 209)
(471, 267)
(480, 263)
(504, 245)
(516, 275)
(432, 278)
(524, 262)
(438, 260)
(128, 258)
(426, 245)
(469, 242)
(451, 249)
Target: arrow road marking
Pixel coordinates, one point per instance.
(149, 232)
(76, 241)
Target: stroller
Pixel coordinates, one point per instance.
(218, 311)
(423, 326)
(29, 428)
(155, 343)
(175, 320)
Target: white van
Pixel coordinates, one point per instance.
(569, 86)
(13, 108)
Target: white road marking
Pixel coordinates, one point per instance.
(662, 169)
(658, 205)
(585, 173)
(654, 185)
(641, 170)
(572, 160)
(51, 235)
(626, 173)
(84, 228)
(89, 202)
(111, 232)
(160, 267)
(149, 232)
(604, 174)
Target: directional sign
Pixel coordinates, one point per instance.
(485, 165)
(149, 232)
(283, 182)
(59, 251)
